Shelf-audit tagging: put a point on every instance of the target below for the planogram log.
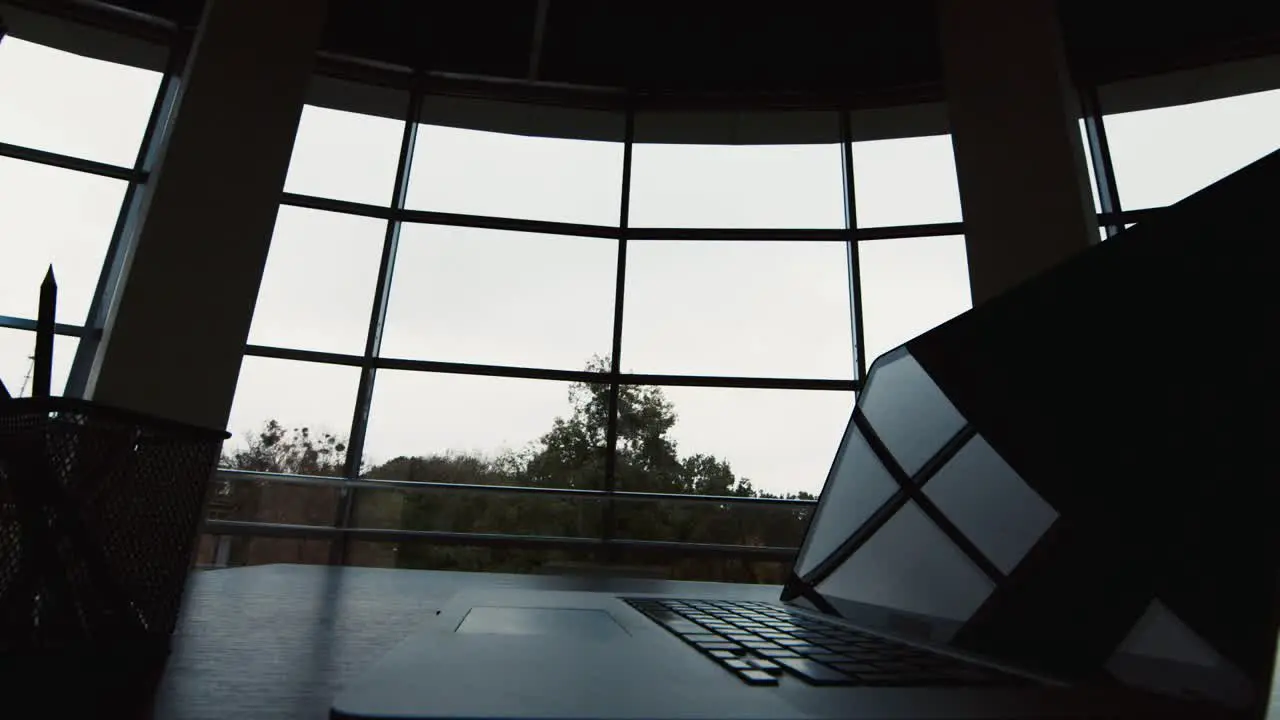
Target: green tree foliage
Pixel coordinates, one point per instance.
(277, 449)
(571, 454)
(292, 450)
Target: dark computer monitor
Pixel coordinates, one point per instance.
(1074, 477)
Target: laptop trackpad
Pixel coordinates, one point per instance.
(580, 623)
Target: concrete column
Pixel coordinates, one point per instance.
(1023, 179)
(176, 328)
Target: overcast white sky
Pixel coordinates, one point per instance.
(772, 308)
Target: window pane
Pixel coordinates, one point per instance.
(860, 485)
(297, 396)
(765, 309)
(728, 440)
(904, 565)
(906, 181)
(16, 366)
(345, 155)
(516, 176)
(908, 411)
(317, 289)
(754, 524)
(737, 186)
(990, 504)
(909, 286)
(1162, 634)
(1165, 154)
(487, 430)
(455, 510)
(53, 216)
(73, 105)
(504, 298)
(272, 502)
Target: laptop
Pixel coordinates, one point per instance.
(1042, 508)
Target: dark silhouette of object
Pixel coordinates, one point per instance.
(1085, 381)
(100, 507)
(43, 380)
(1124, 387)
(99, 510)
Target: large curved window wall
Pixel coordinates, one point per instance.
(1165, 154)
(72, 132)
(485, 350)
(672, 333)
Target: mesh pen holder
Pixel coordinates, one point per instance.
(99, 511)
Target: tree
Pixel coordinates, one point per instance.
(277, 449)
(293, 450)
(571, 454)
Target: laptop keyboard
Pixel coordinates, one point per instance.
(760, 642)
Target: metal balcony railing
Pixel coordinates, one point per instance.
(256, 528)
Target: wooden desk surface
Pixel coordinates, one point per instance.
(278, 641)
